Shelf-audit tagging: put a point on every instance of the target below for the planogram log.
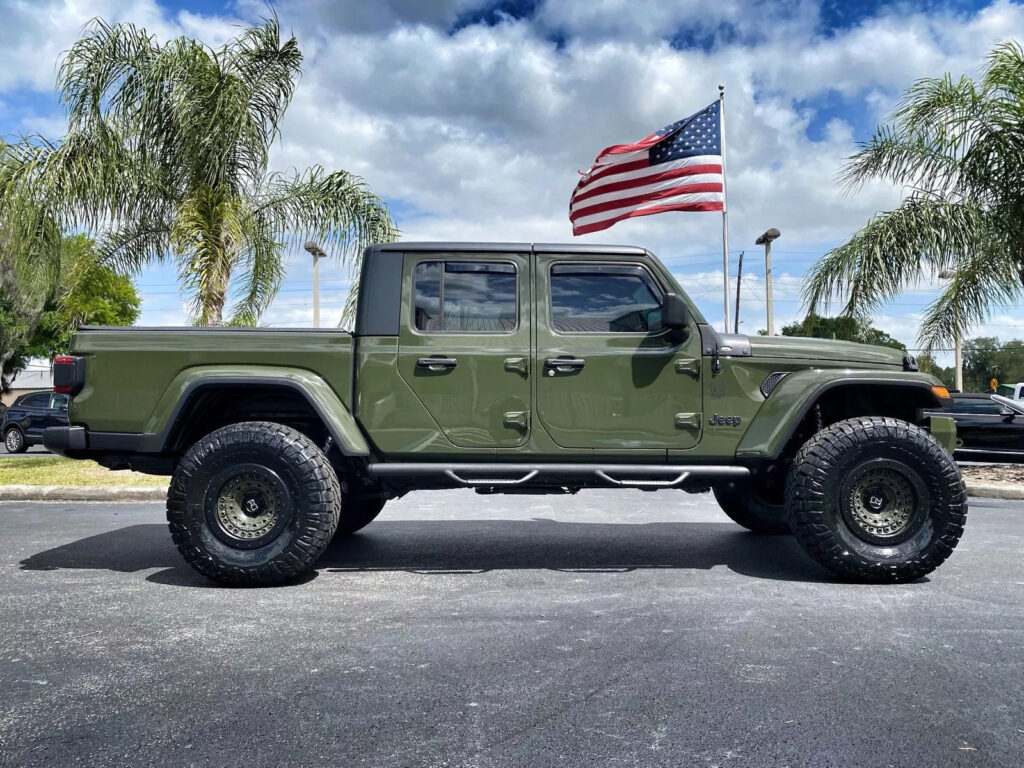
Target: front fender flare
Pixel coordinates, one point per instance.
(777, 420)
(340, 423)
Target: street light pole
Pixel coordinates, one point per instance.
(766, 241)
(318, 253)
(958, 352)
(958, 346)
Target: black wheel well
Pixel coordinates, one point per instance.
(214, 406)
(849, 401)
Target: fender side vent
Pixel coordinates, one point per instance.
(772, 382)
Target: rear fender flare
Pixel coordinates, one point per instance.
(172, 406)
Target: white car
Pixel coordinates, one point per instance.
(1012, 391)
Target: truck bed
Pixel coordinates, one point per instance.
(130, 369)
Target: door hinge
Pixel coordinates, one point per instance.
(688, 420)
(515, 420)
(692, 367)
(517, 365)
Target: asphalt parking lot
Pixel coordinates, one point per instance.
(32, 450)
(608, 628)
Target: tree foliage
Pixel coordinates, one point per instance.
(985, 358)
(842, 328)
(49, 294)
(958, 147)
(167, 155)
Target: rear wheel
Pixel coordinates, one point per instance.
(14, 441)
(253, 503)
(876, 499)
(757, 504)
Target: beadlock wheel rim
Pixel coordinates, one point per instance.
(881, 505)
(247, 506)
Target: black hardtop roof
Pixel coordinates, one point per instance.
(461, 247)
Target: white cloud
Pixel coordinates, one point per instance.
(35, 33)
(478, 135)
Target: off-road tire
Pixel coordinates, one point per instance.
(829, 503)
(15, 436)
(746, 506)
(300, 487)
(357, 513)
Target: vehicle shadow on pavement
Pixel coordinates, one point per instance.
(475, 546)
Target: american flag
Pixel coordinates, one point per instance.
(679, 168)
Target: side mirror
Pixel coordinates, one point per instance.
(674, 314)
(1014, 406)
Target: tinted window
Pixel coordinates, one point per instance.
(1005, 390)
(599, 298)
(58, 401)
(38, 400)
(976, 408)
(464, 296)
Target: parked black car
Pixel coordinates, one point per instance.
(988, 430)
(29, 415)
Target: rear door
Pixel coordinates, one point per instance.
(464, 344)
(608, 374)
(36, 408)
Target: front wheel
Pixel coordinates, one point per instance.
(254, 503)
(876, 499)
(14, 441)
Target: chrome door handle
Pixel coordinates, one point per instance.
(436, 363)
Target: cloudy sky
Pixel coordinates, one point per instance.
(472, 117)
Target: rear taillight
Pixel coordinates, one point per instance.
(68, 374)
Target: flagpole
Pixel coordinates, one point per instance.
(725, 212)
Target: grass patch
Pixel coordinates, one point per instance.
(56, 470)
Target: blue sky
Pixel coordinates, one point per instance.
(471, 118)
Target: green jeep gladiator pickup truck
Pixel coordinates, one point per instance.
(515, 368)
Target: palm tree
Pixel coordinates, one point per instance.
(167, 152)
(957, 147)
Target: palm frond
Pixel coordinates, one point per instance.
(263, 271)
(338, 210)
(979, 283)
(135, 245)
(893, 250)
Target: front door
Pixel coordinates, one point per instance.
(608, 374)
(464, 349)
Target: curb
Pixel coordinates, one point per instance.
(159, 493)
(993, 491)
(82, 493)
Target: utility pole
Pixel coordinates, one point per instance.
(766, 241)
(739, 282)
(318, 253)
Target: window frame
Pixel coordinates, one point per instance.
(412, 297)
(651, 282)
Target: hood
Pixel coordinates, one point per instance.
(803, 348)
